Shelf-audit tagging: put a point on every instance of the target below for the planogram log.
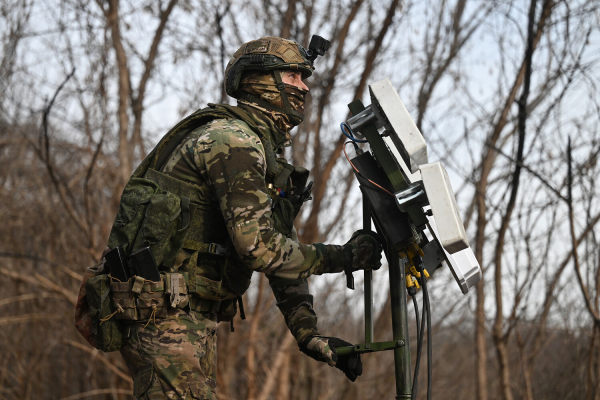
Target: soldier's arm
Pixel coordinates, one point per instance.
(296, 304)
(235, 166)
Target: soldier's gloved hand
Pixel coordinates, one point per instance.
(363, 251)
(322, 349)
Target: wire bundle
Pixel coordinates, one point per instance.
(426, 317)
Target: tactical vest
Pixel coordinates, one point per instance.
(186, 233)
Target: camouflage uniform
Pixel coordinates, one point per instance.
(174, 358)
(226, 160)
(230, 165)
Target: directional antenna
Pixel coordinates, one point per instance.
(405, 135)
(441, 198)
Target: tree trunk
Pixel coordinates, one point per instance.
(125, 152)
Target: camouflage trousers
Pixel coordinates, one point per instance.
(174, 359)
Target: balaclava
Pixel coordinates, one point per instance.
(263, 86)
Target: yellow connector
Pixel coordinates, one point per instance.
(409, 252)
(415, 281)
(414, 249)
(413, 270)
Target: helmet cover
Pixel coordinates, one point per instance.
(266, 54)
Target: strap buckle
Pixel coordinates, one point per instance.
(217, 249)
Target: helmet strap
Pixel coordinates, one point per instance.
(286, 102)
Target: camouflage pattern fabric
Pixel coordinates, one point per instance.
(174, 359)
(263, 86)
(263, 119)
(225, 159)
(320, 345)
(265, 54)
(83, 319)
(228, 159)
(296, 304)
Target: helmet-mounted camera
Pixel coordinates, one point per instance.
(318, 47)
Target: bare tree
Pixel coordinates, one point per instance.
(459, 67)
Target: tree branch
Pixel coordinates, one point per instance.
(584, 290)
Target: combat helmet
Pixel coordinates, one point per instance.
(269, 54)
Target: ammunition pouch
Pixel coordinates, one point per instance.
(138, 299)
(216, 278)
(206, 273)
(107, 331)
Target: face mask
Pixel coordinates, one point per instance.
(263, 86)
(296, 96)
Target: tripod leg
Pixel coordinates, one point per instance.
(368, 278)
(399, 325)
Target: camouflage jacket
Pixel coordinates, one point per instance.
(227, 160)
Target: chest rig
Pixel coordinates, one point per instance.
(186, 233)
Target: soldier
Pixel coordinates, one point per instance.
(235, 202)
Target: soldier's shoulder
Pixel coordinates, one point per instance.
(227, 132)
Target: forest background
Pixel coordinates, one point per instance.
(87, 89)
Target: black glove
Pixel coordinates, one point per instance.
(363, 251)
(322, 349)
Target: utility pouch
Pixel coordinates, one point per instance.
(107, 331)
(138, 299)
(132, 209)
(83, 317)
(217, 276)
(199, 283)
(176, 294)
(151, 224)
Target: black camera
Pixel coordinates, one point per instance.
(318, 47)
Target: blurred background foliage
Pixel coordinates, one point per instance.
(87, 88)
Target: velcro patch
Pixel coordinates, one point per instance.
(290, 56)
(257, 47)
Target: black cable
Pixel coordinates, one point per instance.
(420, 335)
(427, 306)
(416, 305)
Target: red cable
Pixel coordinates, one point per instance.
(358, 172)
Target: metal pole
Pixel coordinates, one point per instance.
(399, 324)
(368, 278)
